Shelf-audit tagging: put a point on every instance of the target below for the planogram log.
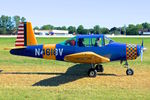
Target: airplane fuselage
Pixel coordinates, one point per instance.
(114, 51)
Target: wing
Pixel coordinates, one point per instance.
(86, 57)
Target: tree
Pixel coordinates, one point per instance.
(123, 30)
(80, 29)
(36, 28)
(91, 31)
(146, 25)
(10, 26)
(85, 31)
(63, 28)
(71, 29)
(17, 21)
(115, 30)
(23, 19)
(57, 28)
(105, 30)
(6, 25)
(139, 26)
(47, 27)
(132, 30)
(97, 29)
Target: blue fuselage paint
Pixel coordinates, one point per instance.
(30, 51)
(114, 51)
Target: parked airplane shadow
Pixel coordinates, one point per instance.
(40, 73)
(73, 73)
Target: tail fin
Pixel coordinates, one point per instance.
(25, 35)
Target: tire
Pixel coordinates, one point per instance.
(99, 68)
(129, 72)
(92, 72)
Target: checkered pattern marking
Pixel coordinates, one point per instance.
(131, 51)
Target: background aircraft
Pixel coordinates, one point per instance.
(89, 49)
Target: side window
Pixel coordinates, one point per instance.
(96, 42)
(86, 42)
(83, 42)
(71, 42)
(93, 41)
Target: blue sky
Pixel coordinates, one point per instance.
(106, 13)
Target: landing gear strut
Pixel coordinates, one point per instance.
(93, 71)
(99, 68)
(129, 71)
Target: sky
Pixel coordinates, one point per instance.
(106, 13)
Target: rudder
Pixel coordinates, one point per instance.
(25, 35)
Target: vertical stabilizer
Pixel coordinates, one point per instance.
(25, 35)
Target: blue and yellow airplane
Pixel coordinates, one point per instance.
(88, 49)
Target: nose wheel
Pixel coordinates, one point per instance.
(129, 71)
(93, 71)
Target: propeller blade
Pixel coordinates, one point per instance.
(141, 54)
(142, 50)
(142, 43)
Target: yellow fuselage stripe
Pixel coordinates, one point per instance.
(49, 51)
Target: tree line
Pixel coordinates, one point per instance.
(9, 25)
(131, 29)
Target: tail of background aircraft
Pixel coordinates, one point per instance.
(25, 35)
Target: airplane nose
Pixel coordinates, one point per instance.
(132, 51)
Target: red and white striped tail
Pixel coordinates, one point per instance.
(20, 37)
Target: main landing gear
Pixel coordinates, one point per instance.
(95, 68)
(129, 71)
(99, 68)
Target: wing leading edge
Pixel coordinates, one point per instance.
(86, 57)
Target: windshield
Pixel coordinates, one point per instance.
(107, 40)
(87, 42)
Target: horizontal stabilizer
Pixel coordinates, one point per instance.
(9, 48)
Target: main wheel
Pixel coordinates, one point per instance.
(129, 71)
(99, 68)
(92, 72)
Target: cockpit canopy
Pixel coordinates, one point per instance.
(88, 41)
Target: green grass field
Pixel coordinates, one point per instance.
(35, 79)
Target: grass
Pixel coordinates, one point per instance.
(31, 78)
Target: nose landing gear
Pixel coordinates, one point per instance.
(129, 71)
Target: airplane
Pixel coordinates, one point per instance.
(86, 49)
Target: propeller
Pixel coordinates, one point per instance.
(142, 50)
